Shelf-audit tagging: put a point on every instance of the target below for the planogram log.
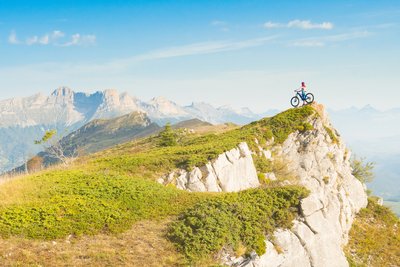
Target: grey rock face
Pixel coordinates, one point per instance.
(232, 171)
(323, 167)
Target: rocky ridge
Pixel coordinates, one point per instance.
(319, 160)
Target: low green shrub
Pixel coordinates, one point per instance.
(362, 170)
(262, 164)
(235, 219)
(332, 135)
(60, 203)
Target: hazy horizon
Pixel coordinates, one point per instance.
(241, 53)
(49, 92)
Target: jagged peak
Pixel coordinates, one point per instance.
(111, 93)
(200, 104)
(161, 99)
(63, 91)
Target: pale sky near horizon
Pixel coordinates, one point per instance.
(241, 53)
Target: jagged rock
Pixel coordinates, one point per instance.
(311, 204)
(323, 167)
(232, 171)
(268, 154)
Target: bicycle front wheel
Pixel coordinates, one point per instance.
(295, 101)
(309, 98)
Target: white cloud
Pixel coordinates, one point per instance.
(32, 40)
(78, 39)
(12, 38)
(300, 24)
(44, 40)
(310, 43)
(347, 36)
(307, 25)
(218, 23)
(271, 25)
(323, 40)
(203, 48)
(221, 25)
(53, 38)
(57, 34)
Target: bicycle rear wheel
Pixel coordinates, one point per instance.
(309, 98)
(295, 101)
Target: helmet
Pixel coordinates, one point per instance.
(303, 84)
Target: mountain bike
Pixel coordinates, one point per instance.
(308, 98)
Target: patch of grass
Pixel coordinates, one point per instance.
(304, 127)
(142, 245)
(289, 121)
(374, 237)
(262, 164)
(332, 135)
(235, 220)
(60, 203)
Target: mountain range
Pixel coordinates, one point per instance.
(23, 120)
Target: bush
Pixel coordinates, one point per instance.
(60, 203)
(235, 220)
(363, 171)
(262, 164)
(168, 137)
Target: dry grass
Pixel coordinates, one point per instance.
(217, 129)
(143, 245)
(374, 238)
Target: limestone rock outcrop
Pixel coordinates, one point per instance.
(320, 161)
(322, 165)
(232, 171)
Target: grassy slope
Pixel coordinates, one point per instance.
(111, 191)
(393, 205)
(374, 237)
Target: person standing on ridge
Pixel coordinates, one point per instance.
(301, 94)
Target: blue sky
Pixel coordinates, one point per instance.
(239, 53)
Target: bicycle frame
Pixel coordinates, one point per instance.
(301, 97)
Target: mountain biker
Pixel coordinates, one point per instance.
(303, 90)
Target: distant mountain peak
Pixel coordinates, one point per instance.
(63, 91)
(161, 100)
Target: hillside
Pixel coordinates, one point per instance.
(23, 120)
(100, 134)
(104, 133)
(285, 188)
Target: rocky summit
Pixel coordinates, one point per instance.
(319, 161)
